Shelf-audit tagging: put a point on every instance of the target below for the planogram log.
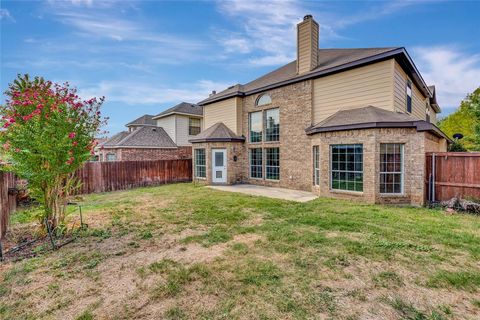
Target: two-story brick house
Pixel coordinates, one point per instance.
(347, 123)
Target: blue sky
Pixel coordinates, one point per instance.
(145, 56)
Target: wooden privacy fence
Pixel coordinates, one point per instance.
(119, 175)
(8, 201)
(455, 174)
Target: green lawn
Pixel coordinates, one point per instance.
(188, 252)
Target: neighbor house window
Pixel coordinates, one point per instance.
(347, 167)
(256, 163)
(391, 168)
(255, 126)
(272, 163)
(316, 165)
(263, 100)
(194, 126)
(272, 125)
(111, 157)
(409, 96)
(200, 163)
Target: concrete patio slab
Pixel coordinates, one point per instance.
(270, 192)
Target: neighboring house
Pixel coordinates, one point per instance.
(344, 123)
(182, 122)
(143, 141)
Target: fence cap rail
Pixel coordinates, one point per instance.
(454, 154)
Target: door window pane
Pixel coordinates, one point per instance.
(219, 159)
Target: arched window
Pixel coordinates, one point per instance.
(263, 100)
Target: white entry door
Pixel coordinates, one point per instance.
(219, 165)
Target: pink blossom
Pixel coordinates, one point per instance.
(72, 135)
(6, 146)
(75, 143)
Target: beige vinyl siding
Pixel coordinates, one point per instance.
(182, 130)
(371, 85)
(168, 124)
(307, 46)
(226, 111)
(400, 95)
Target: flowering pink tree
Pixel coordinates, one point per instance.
(48, 133)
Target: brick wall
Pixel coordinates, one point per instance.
(295, 105)
(236, 170)
(414, 163)
(134, 154)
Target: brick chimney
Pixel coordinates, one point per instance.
(307, 45)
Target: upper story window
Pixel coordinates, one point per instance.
(255, 126)
(409, 96)
(272, 125)
(263, 100)
(194, 126)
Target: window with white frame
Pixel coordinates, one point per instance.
(111, 157)
(346, 170)
(255, 126)
(200, 163)
(316, 165)
(256, 163)
(262, 100)
(272, 163)
(391, 168)
(272, 125)
(194, 126)
(409, 96)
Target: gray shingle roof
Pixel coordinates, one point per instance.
(219, 132)
(327, 59)
(115, 139)
(143, 137)
(145, 120)
(183, 107)
(371, 117)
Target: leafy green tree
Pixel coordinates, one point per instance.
(465, 120)
(48, 133)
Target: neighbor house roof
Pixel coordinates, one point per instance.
(145, 120)
(329, 61)
(372, 117)
(144, 137)
(182, 108)
(219, 132)
(433, 99)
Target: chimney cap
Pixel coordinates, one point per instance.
(307, 17)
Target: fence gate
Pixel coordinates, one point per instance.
(452, 174)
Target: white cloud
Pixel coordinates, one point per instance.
(6, 15)
(268, 28)
(136, 93)
(454, 72)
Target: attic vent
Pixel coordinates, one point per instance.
(231, 87)
(154, 129)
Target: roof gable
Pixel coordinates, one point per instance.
(144, 137)
(182, 108)
(219, 132)
(145, 120)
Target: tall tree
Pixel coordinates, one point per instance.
(465, 120)
(48, 133)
